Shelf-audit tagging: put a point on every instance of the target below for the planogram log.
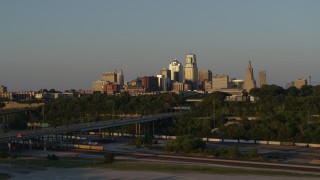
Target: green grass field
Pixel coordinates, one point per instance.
(29, 165)
(4, 176)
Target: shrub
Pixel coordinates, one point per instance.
(139, 141)
(186, 144)
(254, 153)
(52, 157)
(233, 152)
(3, 154)
(108, 157)
(13, 156)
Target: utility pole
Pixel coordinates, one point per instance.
(112, 108)
(214, 112)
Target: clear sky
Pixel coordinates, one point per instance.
(65, 44)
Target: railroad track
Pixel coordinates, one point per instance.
(213, 161)
(226, 162)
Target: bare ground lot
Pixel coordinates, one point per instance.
(99, 173)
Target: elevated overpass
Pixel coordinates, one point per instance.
(26, 134)
(9, 112)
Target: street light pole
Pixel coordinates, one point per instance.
(112, 109)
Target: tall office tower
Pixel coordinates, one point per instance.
(120, 77)
(150, 83)
(249, 81)
(165, 72)
(3, 89)
(300, 82)
(262, 78)
(110, 77)
(204, 75)
(176, 69)
(163, 83)
(191, 70)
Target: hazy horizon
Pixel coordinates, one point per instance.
(69, 44)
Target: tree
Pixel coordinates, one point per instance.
(306, 90)
(293, 91)
(186, 144)
(254, 92)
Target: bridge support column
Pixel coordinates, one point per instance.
(139, 125)
(30, 144)
(44, 146)
(2, 128)
(7, 126)
(9, 148)
(152, 128)
(122, 131)
(136, 129)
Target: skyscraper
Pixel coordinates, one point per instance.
(110, 77)
(176, 69)
(165, 72)
(191, 70)
(262, 78)
(204, 75)
(249, 81)
(3, 89)
(120, 77)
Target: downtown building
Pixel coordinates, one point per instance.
(110, 83)
(249, 81)
(205, 76)
(114, 77)
(220, 82)
(3, 89)
(176, 70)
(191, 71)
(300, 82)
(262, 78)
(164, 80)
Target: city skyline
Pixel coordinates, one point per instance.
(65, 45)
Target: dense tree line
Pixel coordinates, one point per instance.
(101, 107)
(282, 114)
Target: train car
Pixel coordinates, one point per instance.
(214, 140)
(205, 139)
(261, 142)
(171, 137)
(82, 146)
(242, 141)
(287, 143)
(301, 144)
(274, 143)
(97, 148)
(231, 140)
(314, 145)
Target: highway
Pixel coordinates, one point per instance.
(25, 134)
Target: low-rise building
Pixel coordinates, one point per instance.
(300, 82)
